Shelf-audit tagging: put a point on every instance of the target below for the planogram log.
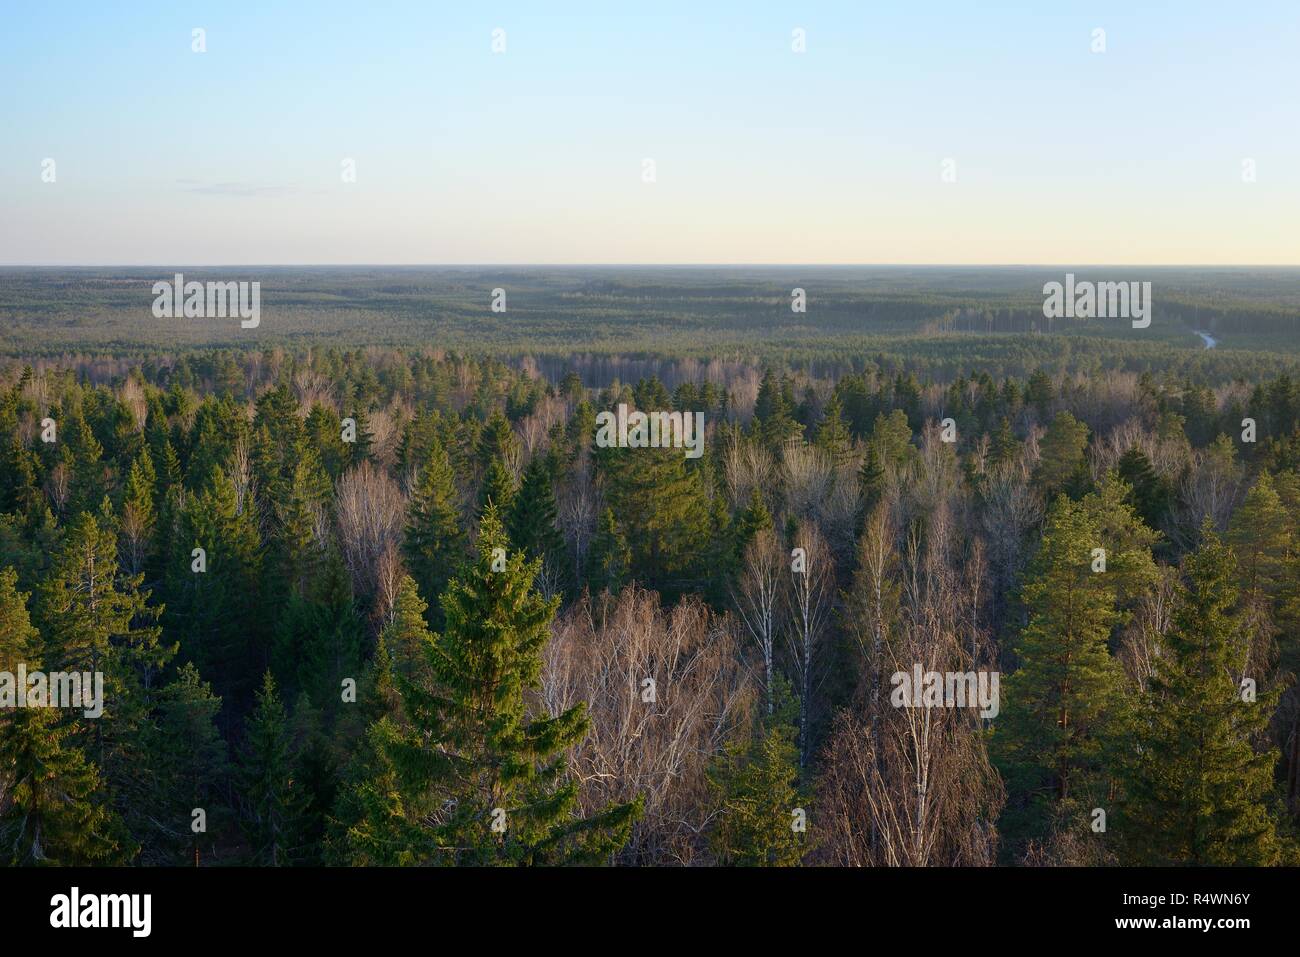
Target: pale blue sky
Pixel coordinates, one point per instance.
(762, 155)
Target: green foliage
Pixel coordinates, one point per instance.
(274, 800)
(1198, 786)
(473, 778)
(435, 543)
(756, 785)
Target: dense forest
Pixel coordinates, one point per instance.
(394, 605)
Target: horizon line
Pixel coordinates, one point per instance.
(644, 265)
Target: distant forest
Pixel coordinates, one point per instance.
(365, 591)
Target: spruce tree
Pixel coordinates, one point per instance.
(756, 785)
(193, 769)
(273, 799)
(435, 543)
(1151, 495)
(50, 797)
(609, 556)
(833, 433)
(51, 800)
(1197, 786)
(532, 516)
(499, 487)
(493, 774)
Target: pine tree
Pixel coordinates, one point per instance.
(1063, 702)
(891, 440)
(1197, 787)
(1061, 465)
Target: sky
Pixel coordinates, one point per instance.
(906, 132)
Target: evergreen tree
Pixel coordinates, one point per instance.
(139, 515)
(499, 487)
(1062, 703)
(609, 556)
(756, 786)
(532, 521)
(1198, 789)
(406, 635)
(51, 809)
(193, 769)
(1004, 447)
(214, 614)
(1061, 466)
(273, 798)
(654, 492)
(481, 780)
(833, 433)
(1151, 495)
(435, 542)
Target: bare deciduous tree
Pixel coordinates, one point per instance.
(665, 690)
(757, 595)
(810, 598)
(371, 512)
